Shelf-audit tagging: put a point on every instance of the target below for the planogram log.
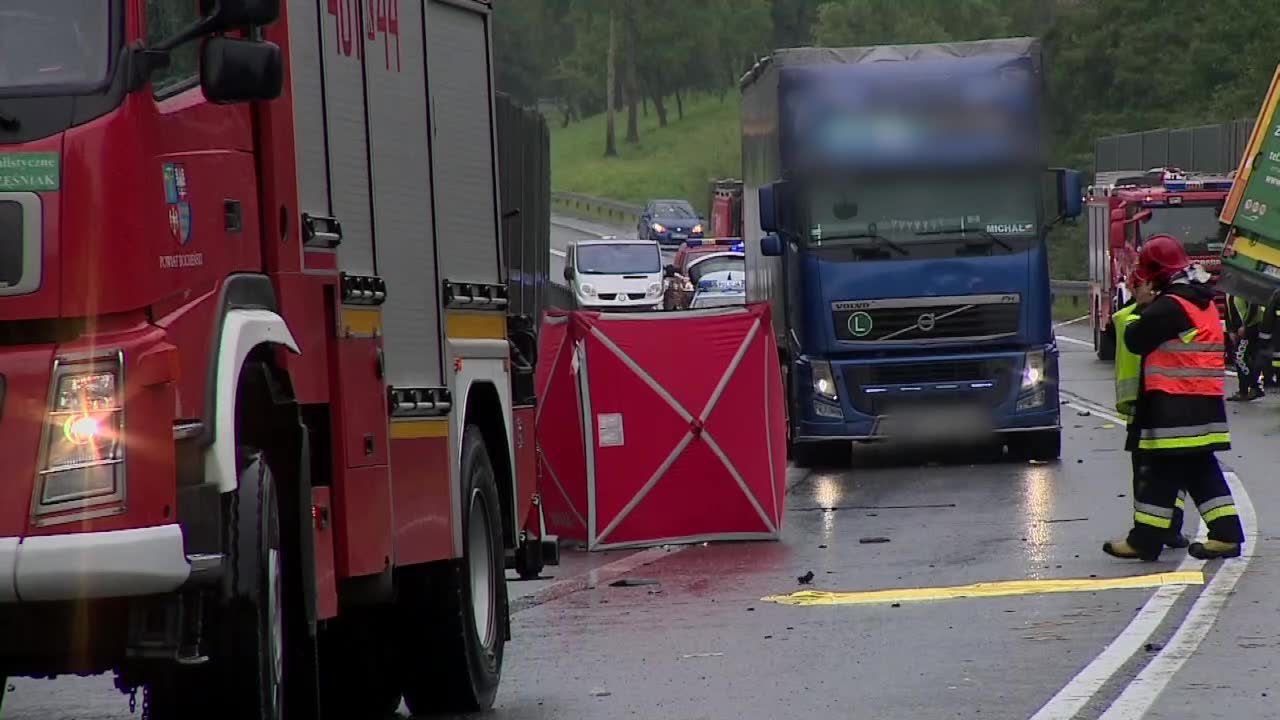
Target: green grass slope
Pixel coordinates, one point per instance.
(676, 161)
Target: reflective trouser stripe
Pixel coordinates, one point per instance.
(1180, 503)
(1215, 503)
(1184, 431)
(1184, 443)
(1162, 523)
(1142, 508)
(1217, 513)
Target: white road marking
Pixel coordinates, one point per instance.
(557, 253)
(1142, 692)
(1074, 341)
(1072, 321)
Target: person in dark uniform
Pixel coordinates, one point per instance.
(1180, 417)
(1244, 322)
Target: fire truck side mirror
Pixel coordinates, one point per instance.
(234, 70)
(224, 15)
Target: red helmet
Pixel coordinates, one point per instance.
(1160, 259)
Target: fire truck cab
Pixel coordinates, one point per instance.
(1125, 208)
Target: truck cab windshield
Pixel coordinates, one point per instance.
(1196, 226)
(54, 44)
(924, 215)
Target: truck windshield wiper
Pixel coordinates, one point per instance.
(965, 231)
(9, 122)
(880, 240)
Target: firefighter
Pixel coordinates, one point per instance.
(1180, 417)
(1244, 320)
(1269, 343)
(1128, 371)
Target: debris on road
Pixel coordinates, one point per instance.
(1064, 520)
(873, 540)
(600, 692)
(806, 578)
(633, 582)
(822, 547)
(1154, 647)
(1083, 413)
(692, 656)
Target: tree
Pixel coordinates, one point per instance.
(611, 62)
(631, 86)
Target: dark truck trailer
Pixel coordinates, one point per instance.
(907, 197)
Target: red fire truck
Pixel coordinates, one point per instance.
(1125, 208)
(261, 451)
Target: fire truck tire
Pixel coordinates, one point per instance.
(454, 623)
(254, 640)
(1104, 343)
(357, 673)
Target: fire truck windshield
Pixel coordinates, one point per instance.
(1196, 226)
(59, 45)
(925, 215)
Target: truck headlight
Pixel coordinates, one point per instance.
(587, 290)
(659, 227)
(1033, 371)
(654, 290)
(84, 449)
(824, 383)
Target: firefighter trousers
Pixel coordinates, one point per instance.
(1245, 357)
(1179, 506)
(1161, 477)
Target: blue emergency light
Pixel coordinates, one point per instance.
(731, 243)
(1196, 185)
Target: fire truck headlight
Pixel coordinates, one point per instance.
(83, 451)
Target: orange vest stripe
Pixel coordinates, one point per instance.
(1190, 368)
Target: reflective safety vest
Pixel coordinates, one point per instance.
(1246, 313)
(1191, 365)
(1128, 365)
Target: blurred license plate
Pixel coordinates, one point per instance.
(935, 423)
(679, 236)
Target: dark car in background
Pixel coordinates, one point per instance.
(670, 222)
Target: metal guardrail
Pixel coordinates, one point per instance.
(604, 208)
(1069, 288)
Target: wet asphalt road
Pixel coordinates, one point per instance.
(702, 644)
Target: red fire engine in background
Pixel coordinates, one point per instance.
(1126, 208)
(265, 400)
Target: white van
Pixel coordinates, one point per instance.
(614, 275)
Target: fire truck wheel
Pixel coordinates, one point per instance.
(452, 652)
(254, 649)
(1104, 343)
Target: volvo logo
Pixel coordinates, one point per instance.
(926, 322)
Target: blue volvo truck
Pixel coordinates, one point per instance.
(898, 198)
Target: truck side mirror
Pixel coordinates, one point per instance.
(1070, 202)
(771, 245)
(775, 205)
(568, 273)
(224, 15)
(234, 70)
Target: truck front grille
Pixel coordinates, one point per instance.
(875, 389)
(917, 320)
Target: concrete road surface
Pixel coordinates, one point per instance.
(703, 644)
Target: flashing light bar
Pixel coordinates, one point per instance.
(1192, 185)
(704, 242)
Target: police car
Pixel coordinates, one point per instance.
(719, 289)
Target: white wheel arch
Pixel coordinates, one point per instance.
(242, 332)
